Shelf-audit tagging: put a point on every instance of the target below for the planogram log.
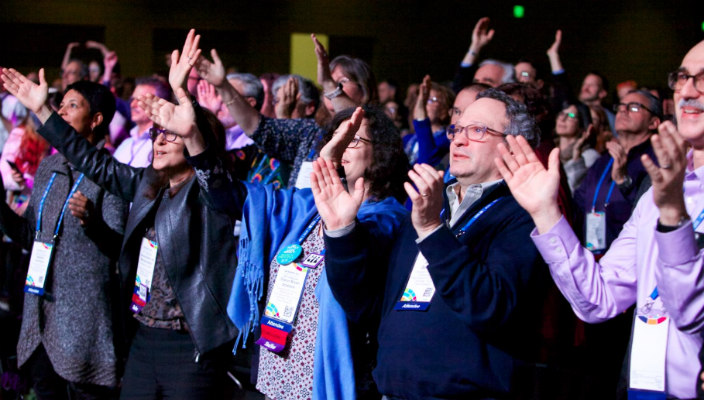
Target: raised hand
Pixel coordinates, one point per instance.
(92, 44)
(179, 119)
(580, 144)
(419, 111)
(211, 71)
(667, 179)
(324, 75)
(30, 94)
(208, 97)
(289, 95)
(426, 197)
(554, 52)
(336, 206)
(534, 187)
(618, 153)
(81, 207)
(342, 137)
(182, 63)
(481, 35)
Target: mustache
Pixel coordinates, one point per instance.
(691, 103)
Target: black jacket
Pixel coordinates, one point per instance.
(195, 238)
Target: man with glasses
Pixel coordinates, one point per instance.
(656, 262)
(461, 297)
(136, 150)
(608, 193)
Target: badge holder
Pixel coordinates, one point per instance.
(42, 251)
(419, 290)
(145, 273)
(648, 351)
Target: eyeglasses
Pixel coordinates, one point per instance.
(355, 142)
(676, 80)
(563, 114)
(631, 107)
(154, 133)
(432, 100)
(474, 132)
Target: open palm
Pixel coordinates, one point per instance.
(336, 206)
(30, 94)
(179, 119)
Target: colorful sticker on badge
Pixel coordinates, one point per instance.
(289, 254)
(313, 260)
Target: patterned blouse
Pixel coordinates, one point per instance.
(289, 374)
(291, 141)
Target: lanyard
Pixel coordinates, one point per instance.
(476, 216)
(63, 210)
(598, 186)
(310, 227)
(698, 221)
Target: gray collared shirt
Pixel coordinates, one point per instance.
(471, 195)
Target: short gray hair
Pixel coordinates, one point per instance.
(508, 76)
(252, 87)
(520, 121)
(309, 92)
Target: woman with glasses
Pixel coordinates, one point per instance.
(73, 228)
(308, 348)
(178, 254)
(575, 137)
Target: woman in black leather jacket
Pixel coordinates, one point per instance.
(181, 244)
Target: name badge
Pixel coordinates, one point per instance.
(145, 273)
(649, 347)
(282, 307)
(596, 231)
(303, 178)
(419, 290)
(39, 262)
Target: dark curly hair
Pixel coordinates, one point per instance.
(389, 167)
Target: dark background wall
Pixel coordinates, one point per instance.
(403, 39)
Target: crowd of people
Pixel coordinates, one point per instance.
(499, 236)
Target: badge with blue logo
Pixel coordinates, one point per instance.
(289, 254)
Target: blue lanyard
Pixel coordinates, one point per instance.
(63, 210)
(310, 227)
(598, 186)
(698, 221)
(476, 216)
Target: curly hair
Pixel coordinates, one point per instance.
(389, 167)
(521, 122)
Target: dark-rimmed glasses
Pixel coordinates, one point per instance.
(633, 107)
(473, 132)
(154, 133)
(676, 80)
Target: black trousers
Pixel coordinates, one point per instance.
(162, 365)
(48, 385)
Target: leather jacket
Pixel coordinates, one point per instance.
(195, 238)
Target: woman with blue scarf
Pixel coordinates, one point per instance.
(280, 294)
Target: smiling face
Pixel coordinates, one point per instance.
(473, 162)
(168, 156)
(689, 102)
(350, 87)
(140, 117)
(357, 160)
(75, 110)
(567, 123)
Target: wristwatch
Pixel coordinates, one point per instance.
(334, 93)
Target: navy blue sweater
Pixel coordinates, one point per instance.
(482, 319)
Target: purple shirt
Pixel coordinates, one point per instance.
(639, 260)
(136, 150)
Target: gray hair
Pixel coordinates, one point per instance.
(654, 104)
(160, 87)
(508, 76)
(309, 92)
(520, 121)
(252, 87)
